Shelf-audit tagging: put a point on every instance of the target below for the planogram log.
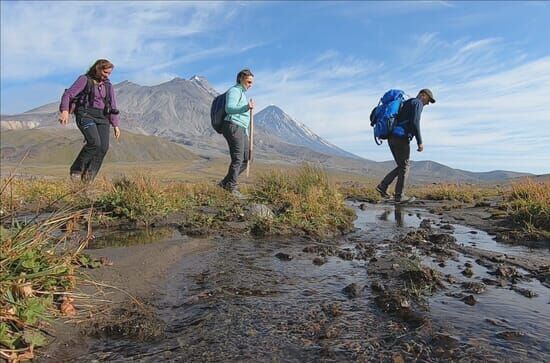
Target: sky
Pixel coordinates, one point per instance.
(326, 64)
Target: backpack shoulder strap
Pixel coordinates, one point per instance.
(89, 91)
(108, 86)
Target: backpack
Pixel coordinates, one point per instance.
(382, 117)
(86, 97)
(217, 112)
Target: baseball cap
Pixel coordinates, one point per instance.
(429, 93)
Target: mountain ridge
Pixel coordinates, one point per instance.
(179, 110)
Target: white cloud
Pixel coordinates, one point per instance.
(45, 38)
(490, 113)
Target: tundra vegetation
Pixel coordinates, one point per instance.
(42, 238)
(46, 223)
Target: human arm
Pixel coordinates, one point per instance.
(69, 94)
(417, 108)
(113, 119)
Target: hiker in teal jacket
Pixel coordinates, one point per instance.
(235, 128)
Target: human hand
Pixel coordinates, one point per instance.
(117, 132)
(251, 104)
(63, 117)
(420, 148)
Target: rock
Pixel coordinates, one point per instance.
(506, 271)
(492, 282)
(319, 261)
(450, 279)
(346, 255)
(468, 264)
(472, 232)
(510, 334)
(474, 287)
(441, 238)
(329, 332)
(525, 292)
(442, 264)
(377, 286)
(284, 256)
(426, 224)
(260, 211)
(363, 206)
(448, 227)
(352, 290)
(333, 309)
(468, 272)
(470, 300)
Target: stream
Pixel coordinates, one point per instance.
(256, 300)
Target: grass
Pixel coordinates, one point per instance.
(304, 199)
(528, 204)
(359, 191)
(37, 271)
(453, 192)
(138, 199)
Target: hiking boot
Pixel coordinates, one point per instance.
(404, 200)
(75, 177)
(382, 191)
(237, 194)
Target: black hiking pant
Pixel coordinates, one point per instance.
(401, 151)
(95, 128)
(237, 140)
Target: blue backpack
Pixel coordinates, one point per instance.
(217, 112)
(382, 117)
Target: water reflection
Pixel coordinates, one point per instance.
(398, 212)
(133, 237)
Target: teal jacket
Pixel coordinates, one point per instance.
(236, 106)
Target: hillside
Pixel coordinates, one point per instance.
(60, 146)
(178, 111)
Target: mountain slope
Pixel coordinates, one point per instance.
(276, 122)
(179, 111)
(60, 146)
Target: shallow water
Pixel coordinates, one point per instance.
(500, 306)
(238, 302)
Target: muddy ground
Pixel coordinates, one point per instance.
(376, 294)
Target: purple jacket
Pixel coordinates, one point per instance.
(99, 94)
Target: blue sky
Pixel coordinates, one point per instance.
(324, 63)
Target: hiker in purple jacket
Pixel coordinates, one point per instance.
(92, 99)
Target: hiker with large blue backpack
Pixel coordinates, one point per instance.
(398, 121)
(231, 115)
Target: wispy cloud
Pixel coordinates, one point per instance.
(45, 38)
(486, 105)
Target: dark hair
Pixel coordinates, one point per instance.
(97, 67)
(244, 73)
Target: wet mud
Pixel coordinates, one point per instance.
(405, 285)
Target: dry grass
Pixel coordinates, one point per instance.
(37, 272)
(528, 204)
(304, 199)
(455, 192)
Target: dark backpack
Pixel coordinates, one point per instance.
(382, 117)
(86, 97)
(217, 112)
